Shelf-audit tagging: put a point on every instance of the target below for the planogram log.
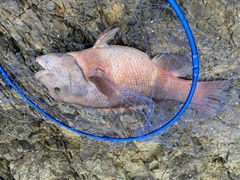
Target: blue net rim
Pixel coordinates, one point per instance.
(195, 73)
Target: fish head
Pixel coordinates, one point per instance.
(62, 76)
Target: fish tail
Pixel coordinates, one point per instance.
(209, 97)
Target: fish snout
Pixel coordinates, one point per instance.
(47, 61)
(37, 58)
(40, 60)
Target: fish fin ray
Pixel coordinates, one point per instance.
(212, 97)
(105, 37)
(176, 64)
(105, 85)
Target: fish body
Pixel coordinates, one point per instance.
(112, 76)
(118, 68)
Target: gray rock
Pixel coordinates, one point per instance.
(31, 147)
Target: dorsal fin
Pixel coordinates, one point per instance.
(178, 65)
(106, 35)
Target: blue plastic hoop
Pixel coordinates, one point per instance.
(195, 71)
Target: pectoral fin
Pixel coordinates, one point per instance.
(105, 85)
(105, 37)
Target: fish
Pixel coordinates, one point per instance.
(116, 77)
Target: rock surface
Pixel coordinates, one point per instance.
(31, 148)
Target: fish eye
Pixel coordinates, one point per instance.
(57, 90)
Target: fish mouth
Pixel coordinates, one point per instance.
(37, 59)
(40, 61)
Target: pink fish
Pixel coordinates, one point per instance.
(111, 76)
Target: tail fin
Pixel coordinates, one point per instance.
(209, 97)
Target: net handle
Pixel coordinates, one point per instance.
(195, 71)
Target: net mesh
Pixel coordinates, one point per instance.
(41, 27)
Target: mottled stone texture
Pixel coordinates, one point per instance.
(34, 149)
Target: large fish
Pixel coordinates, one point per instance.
(112, 76)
